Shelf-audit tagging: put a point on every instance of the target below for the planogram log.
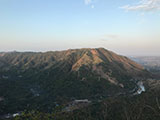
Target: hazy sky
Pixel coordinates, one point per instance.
(128, 27)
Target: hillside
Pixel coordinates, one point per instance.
(41, 81)
(74, 58)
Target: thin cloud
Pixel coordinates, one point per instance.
(143, 5)
(87, 2)
(92, 6)
(113, 36)
(109, 37)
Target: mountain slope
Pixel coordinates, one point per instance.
(74, 58)
(41, 80)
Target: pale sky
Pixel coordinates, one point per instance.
(127, 27)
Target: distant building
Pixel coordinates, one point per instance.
(82, 101)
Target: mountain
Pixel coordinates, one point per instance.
(74, 59)
(44, 80)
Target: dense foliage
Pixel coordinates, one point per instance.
(140, 107)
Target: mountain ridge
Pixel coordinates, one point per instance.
(65, 75)
(65, 53)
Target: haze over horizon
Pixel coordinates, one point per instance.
(126, 27)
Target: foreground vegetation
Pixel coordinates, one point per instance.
(141, 107)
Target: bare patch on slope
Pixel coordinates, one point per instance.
(107, 75)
